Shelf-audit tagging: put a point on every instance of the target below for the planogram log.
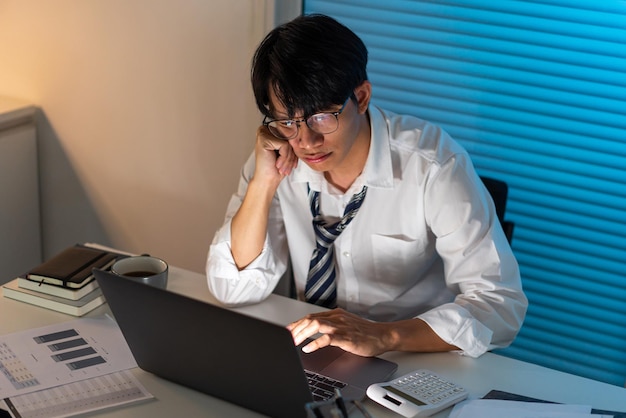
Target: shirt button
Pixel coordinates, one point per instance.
(346, 254)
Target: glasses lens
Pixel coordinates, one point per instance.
(284, 129)
(323, 123)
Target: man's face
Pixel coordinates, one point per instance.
(325, 152)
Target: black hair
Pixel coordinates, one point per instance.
(311, 63)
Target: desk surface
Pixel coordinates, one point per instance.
(479, 376)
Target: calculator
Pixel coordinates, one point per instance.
(420, 393)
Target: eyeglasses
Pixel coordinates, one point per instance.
(322, 123)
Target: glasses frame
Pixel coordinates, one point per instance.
(266, 122)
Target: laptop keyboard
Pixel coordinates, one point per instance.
(322, 387)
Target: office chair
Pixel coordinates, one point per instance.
(499, 192)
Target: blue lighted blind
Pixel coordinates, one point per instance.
(536, 92)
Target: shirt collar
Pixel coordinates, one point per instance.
(378, 171)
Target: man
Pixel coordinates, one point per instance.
(381, 215)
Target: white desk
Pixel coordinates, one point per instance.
(479, 376)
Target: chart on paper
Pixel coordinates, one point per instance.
(65, 346)
(114, 389)
(41, 358)
(14, 370)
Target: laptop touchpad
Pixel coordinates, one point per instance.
(319, 359)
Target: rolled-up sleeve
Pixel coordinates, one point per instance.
(479, 264)
(234, 287)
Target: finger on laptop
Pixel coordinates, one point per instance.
(341, 329)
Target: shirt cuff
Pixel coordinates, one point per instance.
(234, 287)
(456, 326)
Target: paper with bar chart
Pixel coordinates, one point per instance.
(72, 351)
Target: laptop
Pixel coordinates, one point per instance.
(227, 354)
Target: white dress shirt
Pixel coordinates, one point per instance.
(426, 242)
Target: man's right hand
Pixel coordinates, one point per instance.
(275, 158)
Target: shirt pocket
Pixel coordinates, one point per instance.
(396, 258)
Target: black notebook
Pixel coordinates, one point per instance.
(72, 267)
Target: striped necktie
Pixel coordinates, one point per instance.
(321, 288)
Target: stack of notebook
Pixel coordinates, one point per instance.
(65, 282)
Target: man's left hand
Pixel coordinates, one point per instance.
(341, 329)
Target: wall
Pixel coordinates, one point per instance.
(146, 115)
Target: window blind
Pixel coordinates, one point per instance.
(536, 92)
